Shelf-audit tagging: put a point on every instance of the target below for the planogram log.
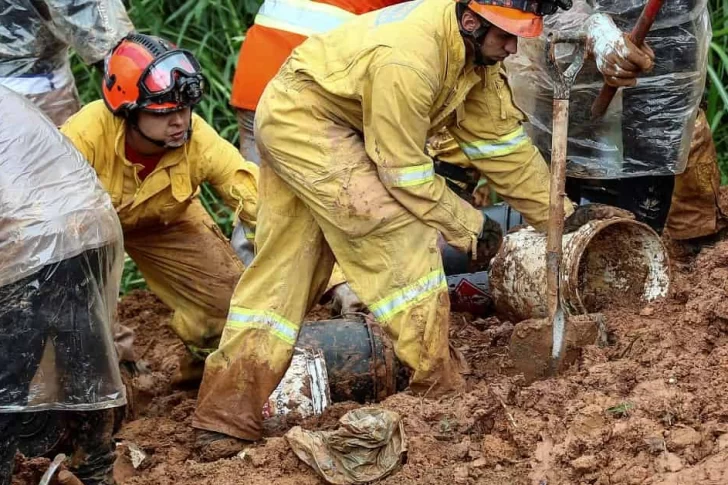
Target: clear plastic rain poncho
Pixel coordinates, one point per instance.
(61, 257)
(35, 36)
(648, 128)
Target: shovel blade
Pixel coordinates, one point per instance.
(531, 351)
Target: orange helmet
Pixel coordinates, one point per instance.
(148, 73)
(522, 18)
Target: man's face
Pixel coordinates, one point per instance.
(498, 44)
(168, 127)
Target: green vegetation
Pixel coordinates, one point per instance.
(716, 93)
(214, 30)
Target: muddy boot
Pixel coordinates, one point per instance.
(93, 447)
(189, 372)
(213, 446)
(8, 445)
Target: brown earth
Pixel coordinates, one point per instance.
(650, 408)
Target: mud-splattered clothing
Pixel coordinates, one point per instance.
(182, 254)
(341, 132)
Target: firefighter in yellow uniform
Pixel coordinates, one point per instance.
(151, 153)
(344, 177)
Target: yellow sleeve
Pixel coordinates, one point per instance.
(492, 139)
(396, 105)
(233, 178)
(74, 129)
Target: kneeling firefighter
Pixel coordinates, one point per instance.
(152, 154)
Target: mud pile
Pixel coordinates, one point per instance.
(650, 408)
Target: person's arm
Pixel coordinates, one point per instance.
(74, 129)
(91, 27)
(396, 107)
(231, 176)
(492, 139)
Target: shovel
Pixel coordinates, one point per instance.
(563, 79)
(538, 345)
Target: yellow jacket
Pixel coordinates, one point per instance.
(400, 75)
(170, 188)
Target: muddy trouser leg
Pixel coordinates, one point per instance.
(647, 197)
(92, 446)
(320, 194)
(22, 339)
(695, 210)
(190, 265)
(80, 329)
(250, 152)
(8, 446)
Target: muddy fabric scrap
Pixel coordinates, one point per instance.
(369, 445)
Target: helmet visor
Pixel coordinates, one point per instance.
(162, 75)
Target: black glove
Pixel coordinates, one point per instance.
(489, 240)
(592, 212)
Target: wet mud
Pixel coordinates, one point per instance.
(648, 408)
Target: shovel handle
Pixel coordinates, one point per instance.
(637, 36)
(563, 78)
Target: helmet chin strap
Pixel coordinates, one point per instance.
(475, 37)
(160, 143)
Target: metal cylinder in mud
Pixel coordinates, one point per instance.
(360, 360)
(335, 361)
(605, 263)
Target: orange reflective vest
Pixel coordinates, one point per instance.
(280, 26)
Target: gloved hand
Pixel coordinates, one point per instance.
(592, 212)
(616, 56)
(344, 301)
(489, 240)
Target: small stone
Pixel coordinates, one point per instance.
(669, 462)
(461, 474)
(136, 454)
(585, 463)
(723, 442)
(656, 444)
(479, 463)
(647, 311)
(683, 437)
(672, 380)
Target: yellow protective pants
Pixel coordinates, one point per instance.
(695, 209)
(321, 201)
(191, 267)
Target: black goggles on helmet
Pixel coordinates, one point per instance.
(174, 77)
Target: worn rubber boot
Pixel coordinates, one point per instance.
(8, 446)
(212, 446)
(93, 446)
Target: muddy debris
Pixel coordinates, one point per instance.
(648, 408)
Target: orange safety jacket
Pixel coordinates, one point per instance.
(280, 26)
